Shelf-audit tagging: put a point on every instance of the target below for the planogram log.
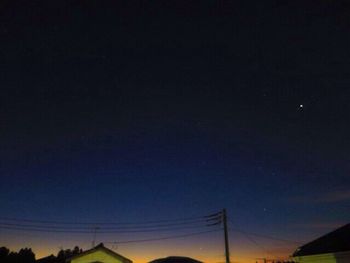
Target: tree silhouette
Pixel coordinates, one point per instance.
(26, 255)
(63, 254)
(4, 252)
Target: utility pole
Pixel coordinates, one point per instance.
(227, 249)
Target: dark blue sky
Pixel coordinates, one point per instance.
(125, 111)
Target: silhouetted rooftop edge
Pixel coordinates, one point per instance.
(175, 259)
(101, 247)
(335, 241)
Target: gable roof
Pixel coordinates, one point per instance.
(335, 241)
(103, 248)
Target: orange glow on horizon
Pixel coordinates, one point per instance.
(208, 249)
(143, 256)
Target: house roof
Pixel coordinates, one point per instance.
(335, 241)
(48, 259)
(103, 248)
(175, 259)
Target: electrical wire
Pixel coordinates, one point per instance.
(264, 236)
(176, 226)
(162, 238)
(62, 227)
(99, 229)
(188, 219)
(258, 245)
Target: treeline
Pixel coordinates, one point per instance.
(26, 255)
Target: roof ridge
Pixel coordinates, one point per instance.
(100, 246)
(337, 240)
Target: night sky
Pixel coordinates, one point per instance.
(115, 111)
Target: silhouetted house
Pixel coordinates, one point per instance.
(48, 259)
(333, 247)
(175, 260)
(98, 254)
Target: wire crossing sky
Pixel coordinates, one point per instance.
(112, 227)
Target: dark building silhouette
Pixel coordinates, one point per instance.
(332, 247)
(175, 259)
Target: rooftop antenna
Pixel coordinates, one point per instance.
(94, 236)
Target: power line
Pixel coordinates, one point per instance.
(267, 237)
(87, 230)
(203, 222)
(258, 245)
(184, 220)
(163, 238)
(84, 227)
(127, 227)
(44, 230)
(264, 236)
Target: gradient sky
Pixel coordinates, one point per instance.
(132, 111)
